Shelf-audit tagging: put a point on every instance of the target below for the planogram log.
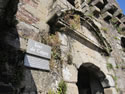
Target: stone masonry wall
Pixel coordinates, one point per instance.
(32, 21)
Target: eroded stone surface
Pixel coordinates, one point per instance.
(72, 88)
(70, 73)
(110, 91)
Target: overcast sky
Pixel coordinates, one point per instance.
(122, 5)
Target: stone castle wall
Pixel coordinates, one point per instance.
(83, 46)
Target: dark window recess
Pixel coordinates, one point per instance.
(123, 29)
(118, 23)
(112, 10)
(105, 2)
(96, 14)
(107, 19)
(120, 16)
(123, 42)
(100, 5)
(71, 2)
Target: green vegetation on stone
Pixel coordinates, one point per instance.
(51, 92)
(109, 66)
(62, 88)
(104, 29)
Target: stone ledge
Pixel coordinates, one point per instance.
(95, 9)
(107, 16)
(110, 91)
(118, 12)
(97, 1)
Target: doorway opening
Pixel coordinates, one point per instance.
(89, 79)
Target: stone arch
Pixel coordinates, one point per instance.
(89, 79)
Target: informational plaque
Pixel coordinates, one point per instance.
(36, 62)
(38, 49)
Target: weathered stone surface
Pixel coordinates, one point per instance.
(107, 14)
(72, 88)
(110, 81)
(33, 16)
(42, 26)
(27, 31)
(110, 91)
(112, 61)
(97, 24)
(118, 12)
(23, 43)
(84, 8)
(97, 1)
(63, 39)
(95, 9)
(70, 73)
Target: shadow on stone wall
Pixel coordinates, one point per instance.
(12, 71)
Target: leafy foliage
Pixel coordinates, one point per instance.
(51, 92)
(72, 19)
(62, 88)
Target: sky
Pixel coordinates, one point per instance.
(122, 5)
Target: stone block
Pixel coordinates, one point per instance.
(110, 81)
(97, 24)
(118, 14)
(72, 88)
(111, 8)
(63, 39)
(95, 2)
(83, 5)
(23, 43)
(95, 9)
(123, 20)
(70, 73)
(110, 91)
(43, 27)
(107, 14)
(27, 31)
(85, 10)
(122, 26)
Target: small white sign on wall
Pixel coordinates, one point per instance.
(38, 49)
(36, 62)
(38, 55)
